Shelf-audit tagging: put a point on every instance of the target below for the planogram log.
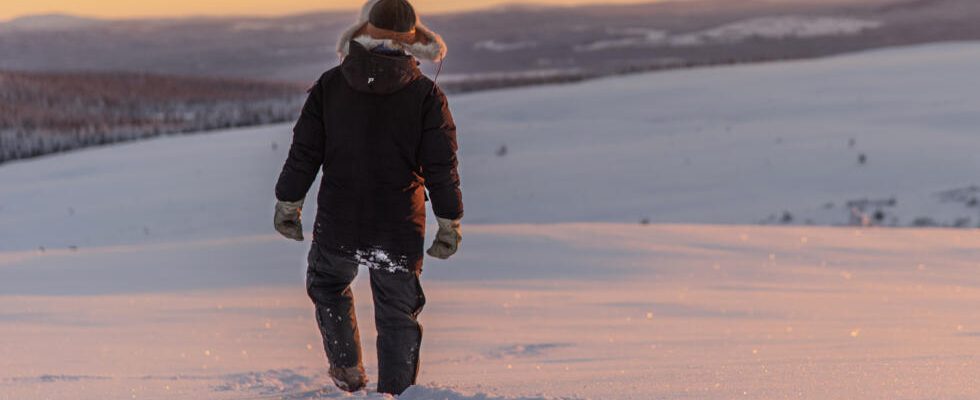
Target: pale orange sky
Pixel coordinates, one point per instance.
(151, 8)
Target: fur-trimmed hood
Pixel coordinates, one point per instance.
(429, 45)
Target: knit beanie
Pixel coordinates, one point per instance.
(393, 15)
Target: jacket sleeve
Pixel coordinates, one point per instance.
(438, 157)
(307, 151)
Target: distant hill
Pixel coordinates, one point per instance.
(158, 76)
(501, 43)
(42, 113)
(48, 23)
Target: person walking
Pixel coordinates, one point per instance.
(382, 134)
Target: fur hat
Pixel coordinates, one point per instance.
(420, 42)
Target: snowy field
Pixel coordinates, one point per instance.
(150, 270)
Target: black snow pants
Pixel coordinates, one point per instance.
(398, 300)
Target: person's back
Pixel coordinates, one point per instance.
(382, 134)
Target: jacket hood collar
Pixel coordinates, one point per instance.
(377, 73)
(428, 45)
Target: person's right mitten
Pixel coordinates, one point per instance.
(288, 220)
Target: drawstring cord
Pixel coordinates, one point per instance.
(435, 80)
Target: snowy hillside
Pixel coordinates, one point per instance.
(150, 270)
(584, 41)
(781, 27)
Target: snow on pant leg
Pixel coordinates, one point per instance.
(328, 281)
(398, 300)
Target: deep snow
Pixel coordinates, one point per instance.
(150, 270)
(600, 311)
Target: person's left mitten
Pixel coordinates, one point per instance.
(288, 220)
(447, 239)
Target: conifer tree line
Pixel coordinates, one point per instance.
(44, 113)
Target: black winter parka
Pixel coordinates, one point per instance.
(382, 133)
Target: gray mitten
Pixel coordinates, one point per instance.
(288, 220)
(447, 239)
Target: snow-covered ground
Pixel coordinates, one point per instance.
(740, 145)
(149, 270)
(600, 311)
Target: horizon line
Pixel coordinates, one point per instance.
(205, 15)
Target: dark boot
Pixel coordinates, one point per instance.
(398, 300)
(328, 280)
(350, 379)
